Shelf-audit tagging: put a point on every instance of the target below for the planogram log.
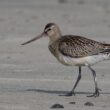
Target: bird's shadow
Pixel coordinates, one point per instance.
(60, 93)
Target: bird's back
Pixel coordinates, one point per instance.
(77, 46)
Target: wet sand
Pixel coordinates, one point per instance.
(30, 77)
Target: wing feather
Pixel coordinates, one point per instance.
(77, 46)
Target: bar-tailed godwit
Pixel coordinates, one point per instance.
(73, 50)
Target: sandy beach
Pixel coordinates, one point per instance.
(30, 77)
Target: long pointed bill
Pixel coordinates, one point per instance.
(35, 38)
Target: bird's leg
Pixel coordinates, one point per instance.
(96, 93)
(77, 81)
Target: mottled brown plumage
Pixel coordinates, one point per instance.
(75, 50)
(77, 46)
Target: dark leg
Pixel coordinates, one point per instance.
(77, 81)
(96, 93)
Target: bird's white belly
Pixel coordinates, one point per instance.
(91, 60)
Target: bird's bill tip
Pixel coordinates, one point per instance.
(33, 39)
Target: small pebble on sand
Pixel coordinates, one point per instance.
(72, 102)
(56, 106)
(89, 104)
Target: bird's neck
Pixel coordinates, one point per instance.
(54, 38)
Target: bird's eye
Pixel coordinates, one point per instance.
(47, 30)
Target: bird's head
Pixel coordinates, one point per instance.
(51, 30)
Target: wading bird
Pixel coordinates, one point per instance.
(73, 50)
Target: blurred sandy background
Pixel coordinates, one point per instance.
(30, 77)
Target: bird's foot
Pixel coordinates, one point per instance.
(96, 93)
(70, 94)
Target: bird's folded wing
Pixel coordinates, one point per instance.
(77, 46)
